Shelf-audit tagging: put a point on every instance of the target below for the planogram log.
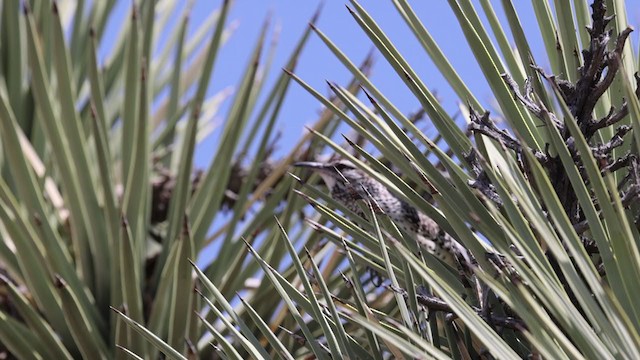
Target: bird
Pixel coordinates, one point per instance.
(348, 184)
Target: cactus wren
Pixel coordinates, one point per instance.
(348, 184)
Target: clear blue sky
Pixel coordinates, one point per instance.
(318, 65)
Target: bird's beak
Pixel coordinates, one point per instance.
(310, 164)
(322, 169)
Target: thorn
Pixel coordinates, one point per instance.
(311, 130)
(304, 196)
(350, 10)
(295, 177)
(316, 14)
(371, 99)
(249, 247)
(351, 143)
(313, 224)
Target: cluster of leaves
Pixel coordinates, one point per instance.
(556, 201)
(602, 57)
(100, 207)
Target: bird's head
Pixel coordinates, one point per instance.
(341, 172)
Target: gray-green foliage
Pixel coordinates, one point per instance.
(86, 166)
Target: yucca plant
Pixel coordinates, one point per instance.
(547, 206)
(545, 202)
(102, 213)
(101, 206)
